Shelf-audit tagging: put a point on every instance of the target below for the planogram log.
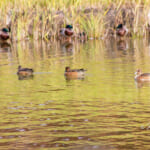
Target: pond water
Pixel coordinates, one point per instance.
(107, 110)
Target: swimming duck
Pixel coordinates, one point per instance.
(24, 71)
(74, 73)
(4, 34)
(139, 76)
(121, 30)
(67, 32)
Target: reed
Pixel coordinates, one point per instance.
(42, 19)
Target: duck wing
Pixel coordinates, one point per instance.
(78, 70)
(145, 74)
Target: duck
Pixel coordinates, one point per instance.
(24, 71)
(67, 32)
(139, 76)
(121, 30)
(74, 73)
(4, 34)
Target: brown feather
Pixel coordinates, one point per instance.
(121, 32)
(68, 32)
(4, 36)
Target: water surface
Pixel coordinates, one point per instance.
(107, 110)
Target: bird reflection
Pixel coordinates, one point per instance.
(122, 45)
(140, 84)
(82, 36)
(21, 77)
(5, 47)
(69, 78)
(67, 48)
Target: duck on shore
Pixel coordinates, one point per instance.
(67, 33)
(4, 34)
(121, 30)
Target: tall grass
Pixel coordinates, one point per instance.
(43, 18)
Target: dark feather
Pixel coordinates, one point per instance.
(78, 70)
(68, 32)
(26, 69)
(4, 36)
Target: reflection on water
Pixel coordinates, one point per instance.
(20, 77)
(105, 110)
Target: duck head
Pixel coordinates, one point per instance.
(120, 26)
(5, 30)
(19, 67)
(70, 27)
(138, 72)
(67, 69)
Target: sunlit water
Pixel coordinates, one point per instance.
(107, 110)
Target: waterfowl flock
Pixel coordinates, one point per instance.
(66, 35)
(24, 73)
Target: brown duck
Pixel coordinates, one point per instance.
(24, 71)
(74, 73)
(139, 76)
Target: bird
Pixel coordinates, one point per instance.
(139, 76)
(121, 30)
(74, 73)
(67, 32)
(24, 71)
(4, 34)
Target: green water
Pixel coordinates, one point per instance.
(107, 110)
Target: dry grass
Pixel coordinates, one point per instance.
(98, 18)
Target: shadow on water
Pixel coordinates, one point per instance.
(103, 110)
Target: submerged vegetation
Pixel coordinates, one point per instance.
(97, 18)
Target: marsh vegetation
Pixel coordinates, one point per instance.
(105, 108)
(42, 19)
